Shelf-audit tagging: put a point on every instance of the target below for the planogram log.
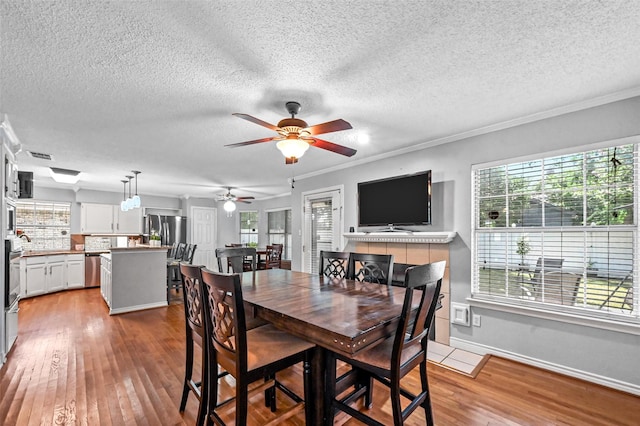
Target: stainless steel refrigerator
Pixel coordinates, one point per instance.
(172, 229)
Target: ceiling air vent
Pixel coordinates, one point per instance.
(40, 155)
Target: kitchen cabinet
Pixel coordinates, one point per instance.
(109, 219)
(75, 271)
(105, 278)
(43, 274)
(46, 274)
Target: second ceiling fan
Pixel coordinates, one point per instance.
(295, 135)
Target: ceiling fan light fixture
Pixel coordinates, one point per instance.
(293, 148)
(229, 206)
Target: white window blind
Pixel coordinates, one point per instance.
(559, 233)
(279, 230)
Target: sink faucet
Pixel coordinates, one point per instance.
(25, 236)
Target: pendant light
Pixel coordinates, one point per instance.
(129, 200)
(136, 197)
(123, 204)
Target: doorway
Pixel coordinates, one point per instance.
(203, 233)
(323, 217)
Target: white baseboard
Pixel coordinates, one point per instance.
(137, 308)
(568, 371)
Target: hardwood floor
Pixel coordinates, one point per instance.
(74, 364)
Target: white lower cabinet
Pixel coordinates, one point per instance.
(46, 274)
(75, 271)
(105, 278)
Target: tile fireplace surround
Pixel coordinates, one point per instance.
(413, 248)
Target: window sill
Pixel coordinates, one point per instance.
(613, 324)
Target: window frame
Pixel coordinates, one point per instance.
(287, 236)
(621, 322)
(251, 235)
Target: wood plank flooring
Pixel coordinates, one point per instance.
(73, 364)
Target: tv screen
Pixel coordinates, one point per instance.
(400, 200)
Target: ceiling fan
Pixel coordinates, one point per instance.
(295, 135)
(230, 197)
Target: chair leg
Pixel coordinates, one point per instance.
(242, 397)
(204, 389)
(188, 371)
(428, 412)
(395, 401)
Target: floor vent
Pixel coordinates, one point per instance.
(40, 155)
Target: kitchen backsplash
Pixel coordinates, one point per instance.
(97, 243)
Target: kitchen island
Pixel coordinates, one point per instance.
(134, 278)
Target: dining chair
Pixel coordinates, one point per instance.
(373, 268)
(172, 252)
(189, 252)
(273, 257)
(249, 355)
(174, 278)
(392, 359)
(334, 264)
(238, 259)
(195, 332)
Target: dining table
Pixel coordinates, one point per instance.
(339, 315)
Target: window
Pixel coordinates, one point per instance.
(559, 233)
(279, 230)
(46, 223)
(249, 228)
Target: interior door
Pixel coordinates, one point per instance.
(203, 233)
(323, 218)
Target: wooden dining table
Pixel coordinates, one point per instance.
(339, 315)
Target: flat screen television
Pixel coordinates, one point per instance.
(399, 200)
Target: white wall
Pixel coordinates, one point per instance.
(599, 355)
(229, 227)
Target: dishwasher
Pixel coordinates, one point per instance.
(92, 270)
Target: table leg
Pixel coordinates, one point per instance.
(318, 385)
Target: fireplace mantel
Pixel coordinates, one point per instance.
(443, 237)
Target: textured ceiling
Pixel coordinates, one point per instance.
(107, 87)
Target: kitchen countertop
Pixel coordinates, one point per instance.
(33, 253)
(140, 247)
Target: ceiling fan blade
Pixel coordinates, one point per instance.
(330, 126)
(245, 198)
(243, 201)
(256, 121)
(234, 145)
(333, 147)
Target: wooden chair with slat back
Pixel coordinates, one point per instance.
(334, 264)
(174, 279)
(396, 356)
(173, 251)
(249, 355)
(236, 259)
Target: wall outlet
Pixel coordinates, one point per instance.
(475, 319)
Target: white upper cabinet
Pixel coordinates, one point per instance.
(109, 219)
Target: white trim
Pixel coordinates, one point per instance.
(549, 154)
(619, 325)
(555, 112)
(137, 308)
(535, 362)
(319, 193)
(400, 237)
